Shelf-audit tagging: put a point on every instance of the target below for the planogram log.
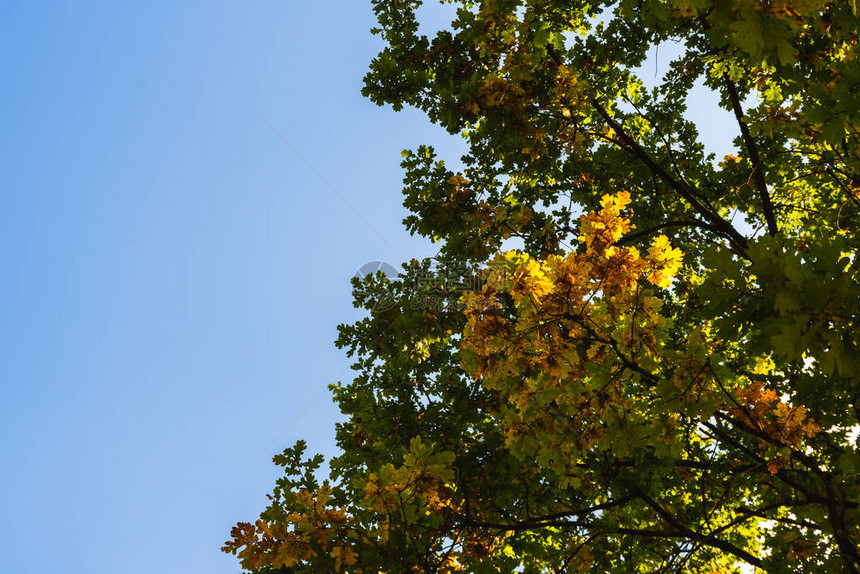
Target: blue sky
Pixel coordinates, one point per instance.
(172, 273)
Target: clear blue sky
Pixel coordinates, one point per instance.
(172, 274)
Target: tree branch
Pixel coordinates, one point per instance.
(556, 520)
(682, 189)
(630, 238)
(752, 151)
(699, 537)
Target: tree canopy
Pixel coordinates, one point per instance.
(629, 355)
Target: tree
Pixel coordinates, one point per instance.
(629, 355)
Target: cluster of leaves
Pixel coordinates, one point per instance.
(665, 375)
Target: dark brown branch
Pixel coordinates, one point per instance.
(626, 363)
(555, 520)
(784, 520)
(811, 497)
(836, 517)
(699, 537)
(797, 455)
(738, 241)
(682, 189)
(630, 238)
(752, 152)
